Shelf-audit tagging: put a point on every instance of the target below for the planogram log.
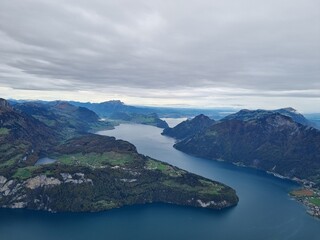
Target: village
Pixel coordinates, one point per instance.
(310, 197)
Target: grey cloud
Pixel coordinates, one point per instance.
(266, 47)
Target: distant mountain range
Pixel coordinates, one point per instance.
(106, 109)
(82, 113)
(59, 114)
(112, 108)
(280, 141)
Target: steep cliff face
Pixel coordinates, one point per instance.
(4, 104)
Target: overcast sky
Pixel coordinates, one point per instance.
(202, 53)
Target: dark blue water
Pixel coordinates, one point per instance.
(265, 210)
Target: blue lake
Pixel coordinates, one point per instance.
(265, 211)
(45, 160)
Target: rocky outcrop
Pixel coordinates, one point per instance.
(76, 178)
(17, 194)
(2, 180)
(212, 203)
(8, 187)
(44, 181)
(4, 104)
(41, 181)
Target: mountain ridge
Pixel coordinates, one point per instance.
(267, 140)
(250, 114)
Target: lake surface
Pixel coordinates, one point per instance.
(45, 160)
(265, 211)
(172, 122)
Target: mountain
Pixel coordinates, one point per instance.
(81, 118)
(262, 139)
(189, 128)
(79, 113)
(295, 115)
(22, 137)
(63, 116)
(4, 104)
(90, 172)
(95, 173)
(30, 129)
(106, 109)
(289, 112)
(117, 110)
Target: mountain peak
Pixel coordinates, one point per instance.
(201, 116)
(113, 102)
(294, 115)
(62, 104)
(289, 109)
(248, 115)
(189, 127)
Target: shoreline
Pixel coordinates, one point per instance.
(311, 208)
(310, 198)
(306, 195)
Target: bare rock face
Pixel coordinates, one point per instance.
(219, 204)
(18, 205)
(2, 181)
(40, 181)
(76, 178)
(4, 104)
(6, 188)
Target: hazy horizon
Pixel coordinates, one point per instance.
(173, 106)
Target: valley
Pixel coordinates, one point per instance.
(91, 172)
(84, 163)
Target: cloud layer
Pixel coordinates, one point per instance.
(160, 50)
